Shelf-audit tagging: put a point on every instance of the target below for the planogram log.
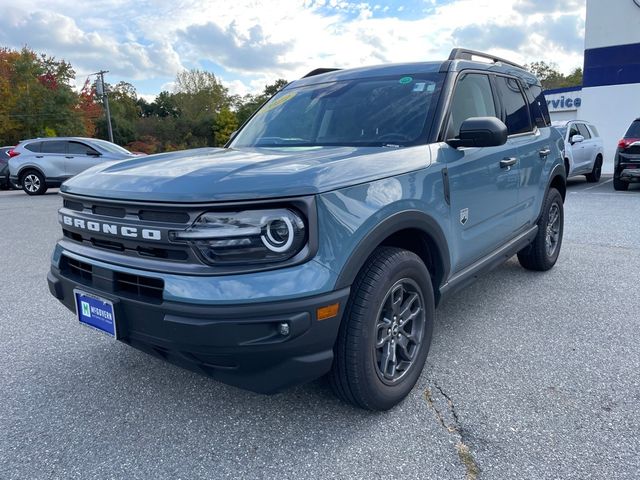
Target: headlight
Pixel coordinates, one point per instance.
(247, 237)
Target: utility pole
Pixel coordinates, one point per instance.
(102, 91)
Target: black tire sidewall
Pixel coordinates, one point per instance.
(619, 184)
(43, 187)
(552, 197)
(380, 395)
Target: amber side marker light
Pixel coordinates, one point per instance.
(330, 311)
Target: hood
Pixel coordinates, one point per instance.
(223, 174)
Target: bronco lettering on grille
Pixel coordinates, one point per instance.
(111, 229)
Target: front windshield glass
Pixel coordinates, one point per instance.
(389, 111)
(562, 130)
(111, 147)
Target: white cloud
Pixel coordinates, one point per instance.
(255, 42)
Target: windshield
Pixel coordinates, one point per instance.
(562, 130)
(385, 111)
(111, 147)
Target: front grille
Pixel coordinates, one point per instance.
(134, 216)
(77, 270)
(138, 285)
(164, 217)
(71, 205)
(117, 212)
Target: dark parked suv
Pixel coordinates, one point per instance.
(4, 168)
(627, 160)
(321, 239)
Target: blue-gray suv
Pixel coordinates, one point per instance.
(320, 240)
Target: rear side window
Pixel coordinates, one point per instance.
(538, 106)
(584, 131)
(516, 110)
(472, 98)
(34, 147)
(77, 148)
(634, 130)
(594, 131)
(54, 146)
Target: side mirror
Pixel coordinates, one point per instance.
(577, 139)
(480, 132)
(94, 154)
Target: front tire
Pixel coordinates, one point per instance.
(385, 335)
(619, 184)
(596, 172)
(33, 183)
(543, 253)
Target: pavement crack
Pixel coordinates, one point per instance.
(445, 411)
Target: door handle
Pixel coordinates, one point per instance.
(508, 162)
(544, 152)
(68, 156)
(39, 156)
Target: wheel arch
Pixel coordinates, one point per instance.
(558, 181)
(26, 168)
(411, 230)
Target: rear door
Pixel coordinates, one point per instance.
(51, 158)
(483, 195)
(589, 148)
(530, 141)
(80, 156)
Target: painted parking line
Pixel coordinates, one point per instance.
(598, 185)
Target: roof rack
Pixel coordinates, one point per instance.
(319, 71)
(464, 54)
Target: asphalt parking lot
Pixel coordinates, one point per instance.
(530, 376)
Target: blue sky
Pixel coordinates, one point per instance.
(249, 43)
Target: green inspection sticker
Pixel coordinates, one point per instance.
(405, 80)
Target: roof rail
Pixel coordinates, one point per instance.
(319, 71)
(464, 54)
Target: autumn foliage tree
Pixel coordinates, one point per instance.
(37, 99)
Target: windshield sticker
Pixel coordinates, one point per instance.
(431, 87)
(277, 102)
(419, 87)
(405, 80)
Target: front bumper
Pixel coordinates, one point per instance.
(237, 344)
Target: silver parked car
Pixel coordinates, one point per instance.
(41, 163)
(583, 148)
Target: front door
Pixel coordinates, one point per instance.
(80, 156)
(483, 194)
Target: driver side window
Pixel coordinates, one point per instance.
(472, 98)
(573, 131)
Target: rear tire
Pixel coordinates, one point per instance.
(543, 253)
(619, 184)
(33, 183)
(596, 172)
(385, 335)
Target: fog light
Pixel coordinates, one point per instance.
(283, 329)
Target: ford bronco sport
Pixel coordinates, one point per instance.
(321, 239)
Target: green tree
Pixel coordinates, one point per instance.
(223, 126)
(248, 104)
(550, 76)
